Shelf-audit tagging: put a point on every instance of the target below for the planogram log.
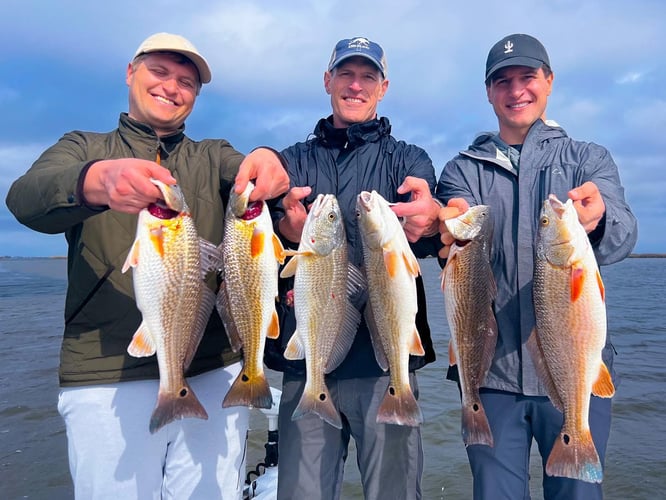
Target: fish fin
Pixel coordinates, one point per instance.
(176, 405)
(278, 249)
(157, 238)
(411, 263)
(289, 268)
(602, 288)
(475, 426)
(249, 390)
(273, 331)
(224, 310)
(257, 242)
(416, 347)
(142, 344)
(357, 287)
(450, 262)
(391, 259)
(294, 349)
(375, 337)
(577, 282)
(603, 386)
(132, 257)
(345, 338)
(575, 457)
(399, 407)
(210, 256)
(538, 359)
(319, 403)
(201, 319)
(452, 354)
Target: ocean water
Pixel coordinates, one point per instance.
(33, 448)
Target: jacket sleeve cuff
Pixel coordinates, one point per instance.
(79, 189)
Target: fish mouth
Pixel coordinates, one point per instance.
(253, 210)
(160, 210)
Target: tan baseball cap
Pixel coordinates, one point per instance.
(167, 42)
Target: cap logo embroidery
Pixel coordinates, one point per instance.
(508, 47)
(361, 43)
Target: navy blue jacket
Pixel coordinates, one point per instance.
(345, 162)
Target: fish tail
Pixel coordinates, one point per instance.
(575, 458)
(399, 407)
(319, 403)
(176, 405)
(249, 390)
(475, 426)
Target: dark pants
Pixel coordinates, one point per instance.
(312, 452)
(502, 472)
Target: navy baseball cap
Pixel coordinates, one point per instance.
(358, 46)
(516, 50)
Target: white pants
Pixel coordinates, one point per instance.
(112, 454)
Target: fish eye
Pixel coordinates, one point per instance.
(544, 221)
(331, 216)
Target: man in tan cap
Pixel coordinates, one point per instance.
(91, 186)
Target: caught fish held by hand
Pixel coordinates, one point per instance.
(246, 300)
(570, 334)
(469, 292)
(169, 262)
(391, 269)
(326, 322)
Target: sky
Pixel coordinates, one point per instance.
(63, 68)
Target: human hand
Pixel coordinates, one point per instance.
(124, 184)
(291, 224)
(264, 167)
(420, 213)
(589, 205)
(454, 208)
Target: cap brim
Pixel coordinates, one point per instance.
(201, 64)
(530, 62)
(357, 54)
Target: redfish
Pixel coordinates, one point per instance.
(391, 269)
(168, 267)
(469, 291)
(246, 300)
(570, 333)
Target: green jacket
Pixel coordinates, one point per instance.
(100, 311)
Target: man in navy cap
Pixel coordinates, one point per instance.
(351, 151)
(513, 171)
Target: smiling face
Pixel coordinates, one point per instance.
(162, 90)
(519, 96)
(356, 86)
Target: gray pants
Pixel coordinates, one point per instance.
(312, 452)
(502, 472)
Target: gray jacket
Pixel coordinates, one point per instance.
(550, 162)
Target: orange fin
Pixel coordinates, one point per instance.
(411, 263)
(399, 407)
(577, 282)
(575, 457)
(603, 386)
(416, 347)
(251, 391)
(274, 327)
(391, 262)
(452, 354)
(157, 238)
(142, 344)
(257, 242)
(278, 249)
(602, 288)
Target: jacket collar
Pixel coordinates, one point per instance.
(353, 136)
(136, 130)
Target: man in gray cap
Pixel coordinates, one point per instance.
(351, 151)
(91, 186)
(513, 171)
